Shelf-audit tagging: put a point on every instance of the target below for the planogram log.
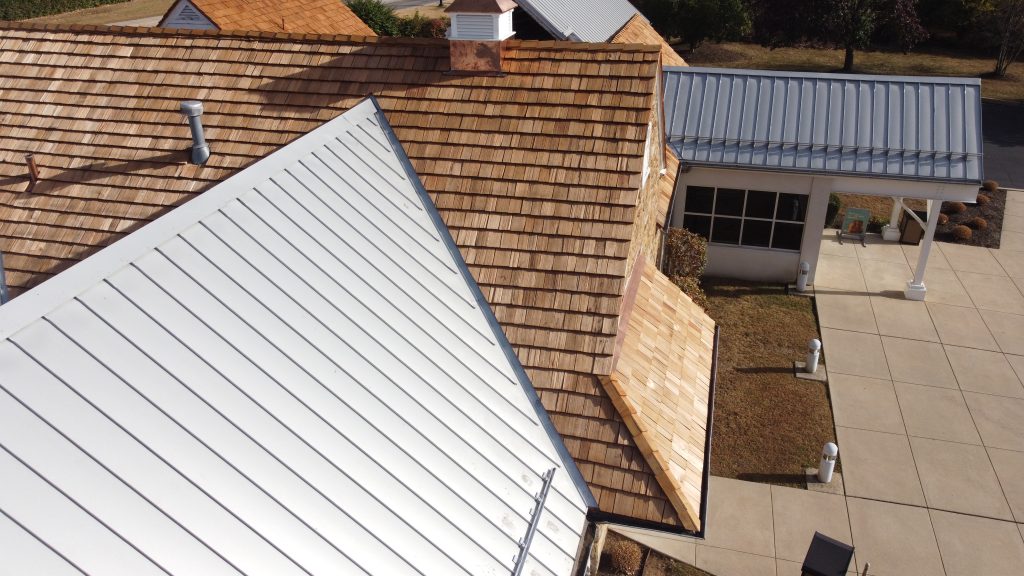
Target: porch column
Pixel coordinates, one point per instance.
(817, 207)
(915, 288)
(891, 231)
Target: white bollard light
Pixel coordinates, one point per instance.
(828, 462)
(813, 351)
(802, 276)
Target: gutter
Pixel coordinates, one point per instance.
(705, 480)
(838, 173)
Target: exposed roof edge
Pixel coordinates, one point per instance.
(822, 172)
(311, 38)
(827, 75)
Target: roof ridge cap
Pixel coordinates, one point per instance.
(251, 34)
(583, 46)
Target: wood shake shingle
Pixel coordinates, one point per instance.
(312, 16)
(638, 30)
(536, 173)
(660, 383)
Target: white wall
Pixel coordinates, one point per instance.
(760, 264)
(757, 264)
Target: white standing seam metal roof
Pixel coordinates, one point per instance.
(879, 126)
(293, 373)
(580, 20)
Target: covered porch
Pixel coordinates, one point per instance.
(761, 152)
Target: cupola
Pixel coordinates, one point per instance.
(477, 30)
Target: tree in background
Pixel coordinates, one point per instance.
(1010, 22)
(695, 21)
(847, 24)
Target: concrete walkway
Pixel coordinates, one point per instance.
(929, 410)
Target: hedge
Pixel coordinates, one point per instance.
(23, 9)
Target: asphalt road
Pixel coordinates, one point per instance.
(1004, 143)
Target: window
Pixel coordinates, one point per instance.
(746, 217)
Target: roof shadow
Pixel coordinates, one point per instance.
(367, 70)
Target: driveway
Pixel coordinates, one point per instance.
(1004, 142)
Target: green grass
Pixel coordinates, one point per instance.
(769, 425)
(918, 63)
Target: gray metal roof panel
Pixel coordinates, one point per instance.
(292, 373)
(880, 126)
(580, 20)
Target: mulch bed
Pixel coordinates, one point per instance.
(992, 213)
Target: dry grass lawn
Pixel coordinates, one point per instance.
(769, 425)
(132, 10)
(920, 63)
(428, 11)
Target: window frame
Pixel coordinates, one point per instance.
(743, 218)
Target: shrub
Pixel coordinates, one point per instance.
(437, 28)
(978, 223)
(983, 199)
(835, 205)
(962, 233)
(943, 219)
(875, 224)
(953, 207)
(417, 26)
(691, 287)
(990, 185)
(622, 556)
(377, 15)
(686, 253)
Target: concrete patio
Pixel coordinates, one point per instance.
(929, 411)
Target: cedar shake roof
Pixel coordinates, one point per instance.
(536, 173)
(660, 383)
(638, 30)
(311, 16)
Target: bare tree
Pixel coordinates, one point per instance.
(1011, 31)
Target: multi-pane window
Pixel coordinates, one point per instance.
(746, 217)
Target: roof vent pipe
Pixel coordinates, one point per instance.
(33, 171)
(4, 294)
(193, 111)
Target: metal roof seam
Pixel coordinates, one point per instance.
(863, 131)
